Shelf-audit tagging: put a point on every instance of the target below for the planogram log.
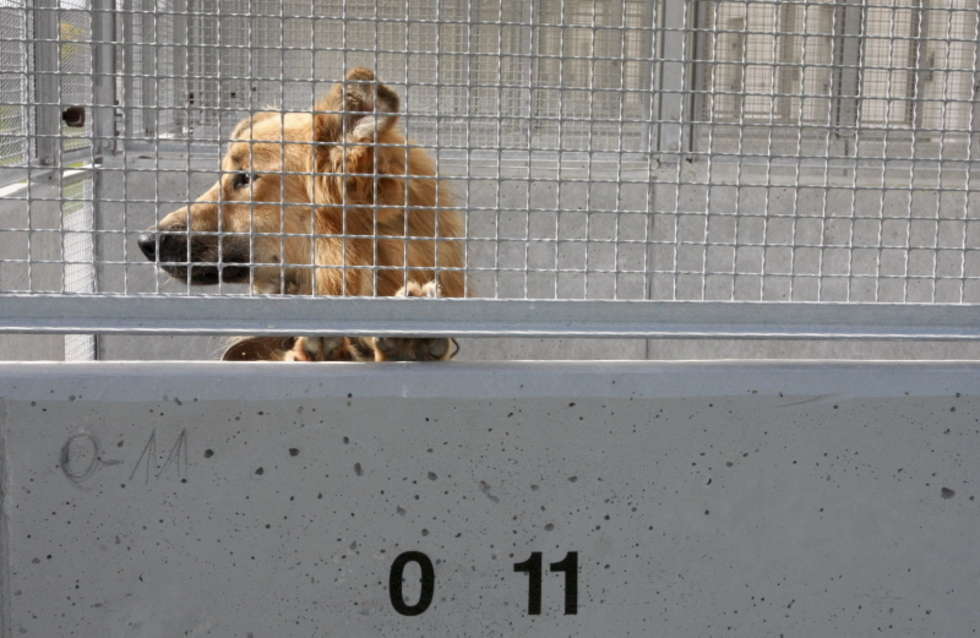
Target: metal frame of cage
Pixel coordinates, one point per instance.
(712, 146)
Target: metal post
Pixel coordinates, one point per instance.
(129, 44)
(103, 89)
(669, 82)
(847, 80)
(149, 58)
(179, 71)
(975, 115)
(103, 121)
(47, 111)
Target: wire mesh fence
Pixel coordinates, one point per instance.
(710, 151)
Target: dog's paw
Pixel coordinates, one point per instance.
(411, 348)
(317, 349)
(430, 289)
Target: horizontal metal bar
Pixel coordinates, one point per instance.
(483, 318)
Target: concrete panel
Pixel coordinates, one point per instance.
(724, 231)
(38, 238)
(665, 349)
(137, 348)
(32, 348)
(796, 499)
(31, 245)
(550, 349)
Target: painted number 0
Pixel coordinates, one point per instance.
(395, 579)
(534, 568)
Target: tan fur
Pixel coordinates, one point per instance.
(323, 174)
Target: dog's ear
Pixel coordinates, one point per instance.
(357, 110)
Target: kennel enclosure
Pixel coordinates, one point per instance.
(645, 173)
(764, 160)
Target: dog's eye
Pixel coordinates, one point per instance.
(242, 179)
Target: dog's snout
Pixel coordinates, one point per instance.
(169, 245)
(148, 244)
(200, 258)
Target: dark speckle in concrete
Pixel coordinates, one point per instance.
(485, 488)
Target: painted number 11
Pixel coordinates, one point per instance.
(533, 567)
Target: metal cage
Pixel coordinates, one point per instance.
(708, 168)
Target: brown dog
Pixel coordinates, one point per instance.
(334, 202)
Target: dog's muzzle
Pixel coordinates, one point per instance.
(196, 258)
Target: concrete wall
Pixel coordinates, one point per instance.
(707, 499)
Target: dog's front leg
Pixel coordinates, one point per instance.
(318, 349)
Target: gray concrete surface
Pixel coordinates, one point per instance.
(794, 499)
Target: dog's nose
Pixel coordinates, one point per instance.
(148, 244)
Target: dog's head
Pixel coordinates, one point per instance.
(256, 223)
